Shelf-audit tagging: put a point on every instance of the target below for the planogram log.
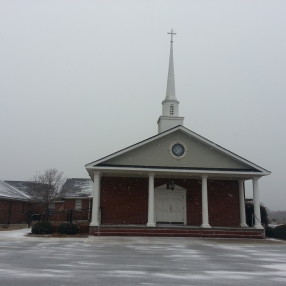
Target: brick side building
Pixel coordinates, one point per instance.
(17, 207)
(14, 205)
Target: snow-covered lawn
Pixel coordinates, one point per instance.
(12, 234)
(139, 261)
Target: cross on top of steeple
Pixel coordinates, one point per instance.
(171, 33)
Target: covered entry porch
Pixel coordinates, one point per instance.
(173, 203)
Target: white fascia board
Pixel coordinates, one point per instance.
(182, 171)
(187, 131)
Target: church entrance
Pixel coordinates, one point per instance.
(170, 206)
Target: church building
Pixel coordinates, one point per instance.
(176, 183)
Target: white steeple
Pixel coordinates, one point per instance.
(171, 93)
(170, 113)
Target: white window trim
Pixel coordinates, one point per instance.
(78, 204)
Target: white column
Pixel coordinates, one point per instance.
(242, 204)
(151, 202)
(205, 207)
(95, 219)
(256, 203)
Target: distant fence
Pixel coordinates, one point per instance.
(71, 216)
(8, 217)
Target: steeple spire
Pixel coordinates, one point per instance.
(170, 115)
(171, 93)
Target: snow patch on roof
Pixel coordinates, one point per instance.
(72, 188)
(23, 187)
(76, 187)
(8, 191)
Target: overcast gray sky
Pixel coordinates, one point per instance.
(82, 79)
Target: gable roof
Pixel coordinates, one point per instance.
(72, 188)
(9, 192)
(78, 188)
(23, 186)
(235, 164)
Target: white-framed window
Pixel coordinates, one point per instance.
(52, 206)
(78, 205)
(171, 109)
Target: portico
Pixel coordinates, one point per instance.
(169, 197)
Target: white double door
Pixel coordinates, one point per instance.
(170, 206)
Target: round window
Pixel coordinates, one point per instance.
(178, 150)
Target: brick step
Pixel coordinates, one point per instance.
(177, 232)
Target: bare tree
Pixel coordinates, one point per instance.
(47, 186)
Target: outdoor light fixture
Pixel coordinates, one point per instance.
(171, 185)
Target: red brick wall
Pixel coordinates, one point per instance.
(60, 212)
(124, 200)
(37, 208)
(82, 214)
(4, 213)
(13, 212)
(223, 198)
(193, 202)
(18, 212)
(69, 204)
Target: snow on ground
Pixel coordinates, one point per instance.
(19, 233)
(126, 261)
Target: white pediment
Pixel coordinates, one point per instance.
(198, 154)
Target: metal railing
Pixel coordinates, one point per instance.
(71, 216)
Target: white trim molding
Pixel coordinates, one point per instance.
(242, 204)
(205, 207)
(95, 218)
(151, 201)
(256, 204)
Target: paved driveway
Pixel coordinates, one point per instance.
(140, 261)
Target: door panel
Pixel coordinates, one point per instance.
(162, 205)
(176, 202)
(170, 206)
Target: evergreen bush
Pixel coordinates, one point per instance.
(42, 227)
(269, 231)
(68, 228)
(280, 231)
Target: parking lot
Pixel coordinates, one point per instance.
(139, 261)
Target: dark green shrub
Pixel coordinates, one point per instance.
(68, 228)
(280, 231)
(249, 210)
(42, 227)
(269, 231)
